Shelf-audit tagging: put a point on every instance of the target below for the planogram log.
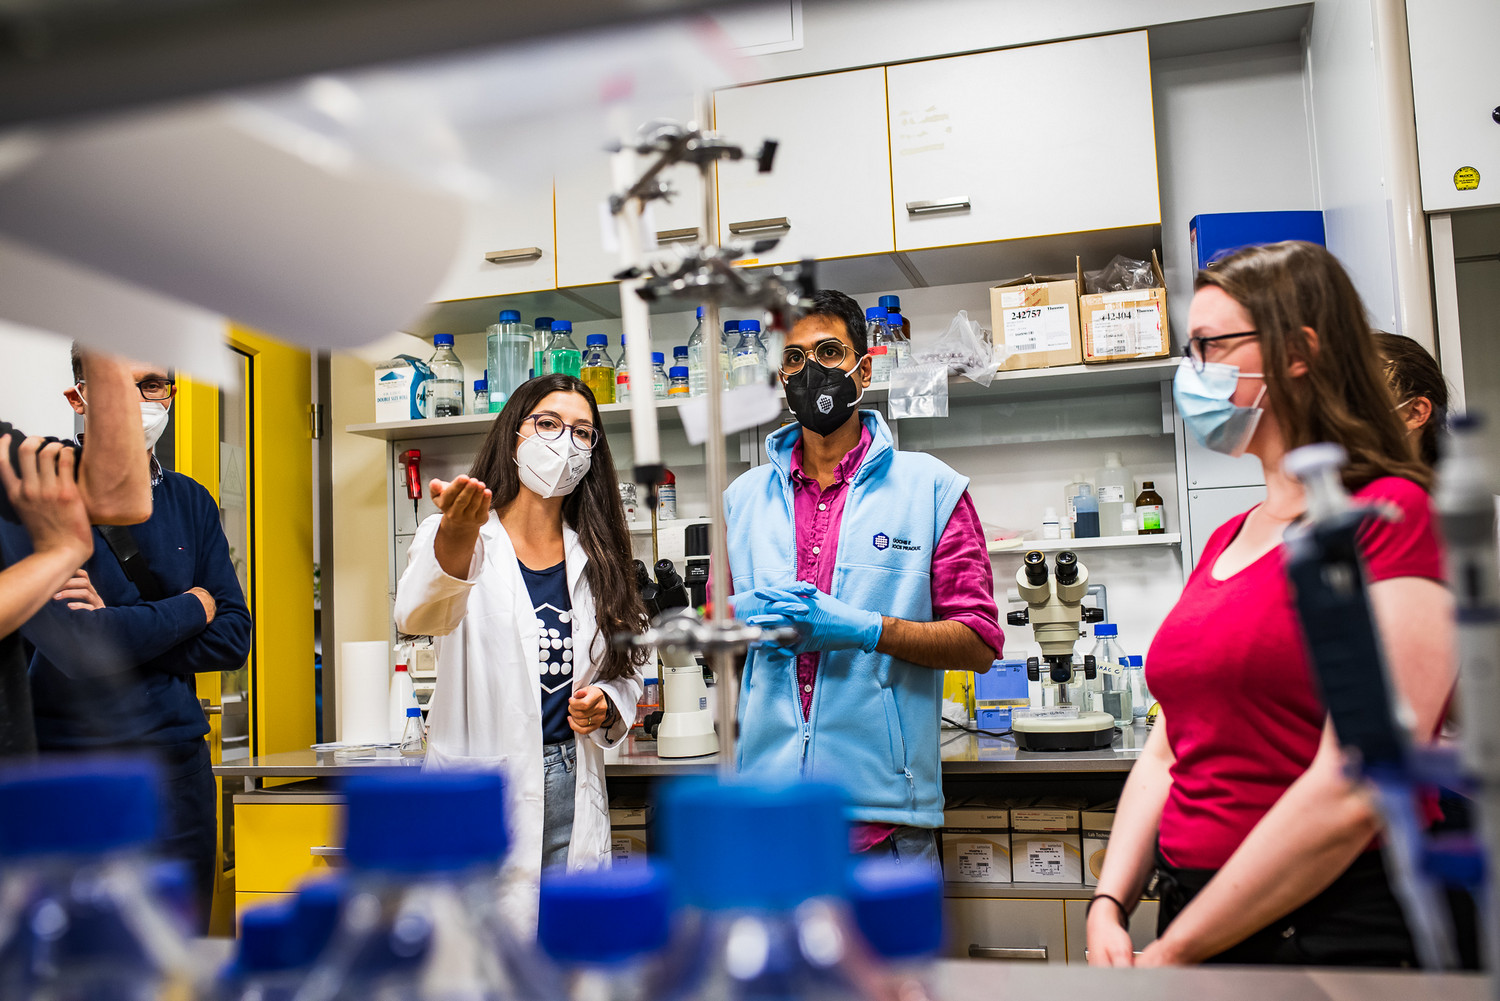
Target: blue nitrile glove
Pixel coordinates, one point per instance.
(826, 622)
(771, 621)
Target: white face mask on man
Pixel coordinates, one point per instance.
(154, 418)
(551, 468)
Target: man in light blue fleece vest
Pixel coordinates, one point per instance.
(878, 558)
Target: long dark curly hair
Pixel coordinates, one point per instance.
(593, 510)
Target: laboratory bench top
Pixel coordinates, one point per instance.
(963, 754)
(982, 980)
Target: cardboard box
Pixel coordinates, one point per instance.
(627, 831)
(1046, 857)
(398, 389)
(975, 841)
(1037, 318)
(1096, 822)
(1125, 326)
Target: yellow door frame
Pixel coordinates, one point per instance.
(280, 594)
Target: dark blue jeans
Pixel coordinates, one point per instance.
(190, 829)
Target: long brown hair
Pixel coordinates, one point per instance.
(1413, 374)
(593, 510)
(1343, 396)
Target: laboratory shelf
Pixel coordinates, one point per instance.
(1042, 381)
(1107, 542)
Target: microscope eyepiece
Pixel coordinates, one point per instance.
(1067, 567)
(1036, 567)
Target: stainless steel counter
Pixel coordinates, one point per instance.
(963, 754)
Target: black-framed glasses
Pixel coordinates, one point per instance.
(1198, 346)
(829, 353)
(154, 389)
(550, 427)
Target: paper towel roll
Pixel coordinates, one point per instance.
(364, 692)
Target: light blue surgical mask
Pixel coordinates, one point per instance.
(1203, 399)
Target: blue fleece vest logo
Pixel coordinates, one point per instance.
(882, 541)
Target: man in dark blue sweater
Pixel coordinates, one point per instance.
(113, 670)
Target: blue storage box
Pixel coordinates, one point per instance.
(1216, 235)
(997, 691)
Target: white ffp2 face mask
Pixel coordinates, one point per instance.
(154, 419)
(551, 468)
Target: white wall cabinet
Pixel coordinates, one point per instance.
(516, 229)
(585, 185)
(1023, 142)
(1456, 85)
(829, 194)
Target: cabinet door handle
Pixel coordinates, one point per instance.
(996, 952)
(959, 204)
(326, 851)
(512, 256)
(209, 709)
(760, 225)
(677, 235)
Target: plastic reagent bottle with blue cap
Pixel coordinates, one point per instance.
(420, 921)
(266, 964)
(78, 915)
(760, 870)
(899, 912)
(508, 359)
(900, 329)
(608, 930)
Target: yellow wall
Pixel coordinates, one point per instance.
(361, 528)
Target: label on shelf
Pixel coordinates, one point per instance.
(1044, 859)
(1037, 328)
(976, 861)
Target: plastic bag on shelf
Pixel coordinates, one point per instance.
(1121, 274)
(919, 389)
(965, 348)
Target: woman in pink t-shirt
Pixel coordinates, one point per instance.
(1239, 800)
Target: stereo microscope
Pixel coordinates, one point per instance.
(1054, 610)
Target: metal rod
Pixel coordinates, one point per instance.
(716, 467)
(635, 317)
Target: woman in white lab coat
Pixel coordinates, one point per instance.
(528, 564)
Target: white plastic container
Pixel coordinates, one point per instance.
(1115, 488)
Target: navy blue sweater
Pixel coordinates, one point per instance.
(122, 675)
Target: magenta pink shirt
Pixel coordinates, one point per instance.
(963, 581)
(1229, 666)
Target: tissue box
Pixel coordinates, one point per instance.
(1037, 319)
(1045, 846)
(398, 389)
(976, 842)
(1096, 822)
(1125, 326)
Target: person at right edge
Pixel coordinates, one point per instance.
(877, 557)
(1265, 849)
(113, 487)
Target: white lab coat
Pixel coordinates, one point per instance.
(486, 711)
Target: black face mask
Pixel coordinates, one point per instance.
(822, 398)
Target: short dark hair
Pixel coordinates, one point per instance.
(835, 304)
(1413, 373)
(77, 357)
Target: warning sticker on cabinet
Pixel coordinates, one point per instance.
(1038, 328)
(1044, 859)
(976, 861)
(1126, 330)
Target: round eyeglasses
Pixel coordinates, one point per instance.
(550, 427)
(830, 353)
